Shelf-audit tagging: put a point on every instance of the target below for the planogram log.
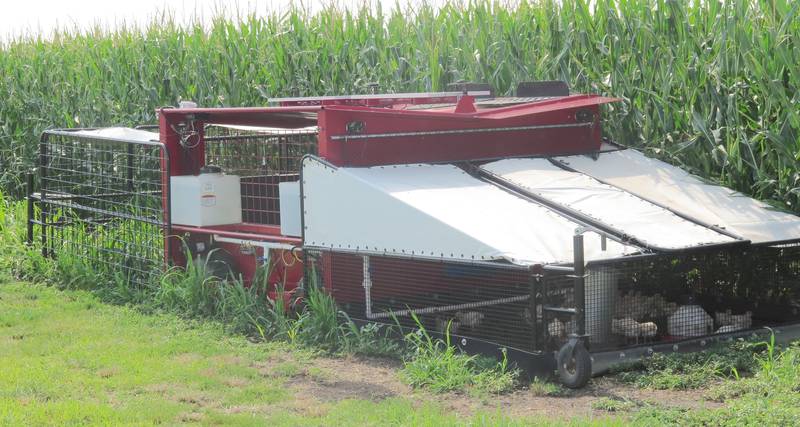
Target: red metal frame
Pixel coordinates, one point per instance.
(511, 138)
(390, 129)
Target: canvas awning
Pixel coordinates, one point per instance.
(672, 187)
(652, 225)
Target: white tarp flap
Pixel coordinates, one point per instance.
(650, 224)
(127, 134)
(671, 186)
(435, 211)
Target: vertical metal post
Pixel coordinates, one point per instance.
(129, 165)
(166, 204)
(535, 282)
(580, 291)
(31, 218)
(367, 284)
(43, 189)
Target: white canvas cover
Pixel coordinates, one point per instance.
(435, 211)
(650, 224)
(671, 186)
(128, 134)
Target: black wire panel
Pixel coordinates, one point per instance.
(490, 302)
(262, 159)
(671, 297)
(100, 204)
(634, 301)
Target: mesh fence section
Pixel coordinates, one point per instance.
(262, 159)
(490, 302)
(663, 298)
(639, 300)
(101, 203)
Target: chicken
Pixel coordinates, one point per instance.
(469, 319)
(690, 321)
(556, 329)
(730, 322)
(632, 329)
(639, 307)
(626, 327)
(447, 325)
(648, 329)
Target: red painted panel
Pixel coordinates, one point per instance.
(454, 146)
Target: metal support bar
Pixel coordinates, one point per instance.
(43, 164)
(458, 131)
(29, 236)
(535, 285)
(438, 309)
(129, 165)
(580, 281)
(561, 310)
(266, 245)
(367, 284)
(558, 269)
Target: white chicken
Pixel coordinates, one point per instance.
(690, 321)
(730, 322)
(632, 329)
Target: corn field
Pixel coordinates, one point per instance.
(711, 85)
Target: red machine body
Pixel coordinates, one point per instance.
(372, 130)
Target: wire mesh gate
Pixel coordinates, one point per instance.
(100, 202)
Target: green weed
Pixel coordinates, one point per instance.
(441, 367)
(541, 387)
(609, 404)
(696, 369)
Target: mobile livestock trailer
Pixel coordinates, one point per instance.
(508, 221)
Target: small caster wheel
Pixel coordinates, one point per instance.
(574, 365)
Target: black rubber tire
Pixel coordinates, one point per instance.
(221, 264)
(574, 366)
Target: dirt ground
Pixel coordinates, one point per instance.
(329, 380)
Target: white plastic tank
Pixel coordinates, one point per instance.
(211, 198)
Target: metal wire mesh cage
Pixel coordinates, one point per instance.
(640, 300)
(263, 158)
(691, 294)
(101, 203)
(483, 301)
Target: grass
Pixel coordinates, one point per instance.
(70, 359)
(317, 324)
(440, 367)
(770, 397)
(542, 387)
(682, 371)
(609, 404)
(711, 86)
